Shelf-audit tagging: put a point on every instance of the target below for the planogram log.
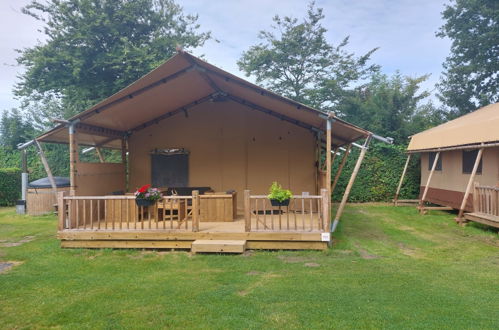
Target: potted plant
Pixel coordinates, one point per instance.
(279, 196)
(147, 196)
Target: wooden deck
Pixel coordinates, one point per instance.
(485, 206)
(486, 219)
(160, 238)
(299, 226)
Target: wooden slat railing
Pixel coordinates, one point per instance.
(122, 213)
(305, 213)
(486, 200)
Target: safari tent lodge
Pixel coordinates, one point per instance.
(460, 166)
(213, 143)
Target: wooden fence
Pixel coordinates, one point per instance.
(122, 212)
(304, 213)
(486, 200)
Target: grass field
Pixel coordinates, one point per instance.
(389, 268)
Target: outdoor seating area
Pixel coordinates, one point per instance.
(116, 221)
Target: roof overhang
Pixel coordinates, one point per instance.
(182, 83)
(474, 130)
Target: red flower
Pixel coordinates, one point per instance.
(143, 189)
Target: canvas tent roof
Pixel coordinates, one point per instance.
(180, 84)
(476, 128)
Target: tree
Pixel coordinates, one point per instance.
(471, 72)
(14, 129)
(390, 106)
(296, 60)
(96, 47)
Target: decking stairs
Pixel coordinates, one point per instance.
(218, 246)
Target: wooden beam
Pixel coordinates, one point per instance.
(124, 159)
(433, 167)
(247, 211)
(195, 210)
(395, 199)
(100, 155)
(469, 186)
(271, 112)
(47, 168)
(318, 159)
(350, 183)
(73, 160)
(340, 168)
(171, 113)
(329, 125)
(61, 210)
(462, 147)
(99, 131)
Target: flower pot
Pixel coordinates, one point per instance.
(143, 202)
(275, 202)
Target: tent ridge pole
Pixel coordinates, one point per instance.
(346, 194)
(47, 168)
(426, 188)
(459, 218)
(396, 197)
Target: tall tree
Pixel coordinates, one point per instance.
(295, 59)
(94, 48)
(471, 76)
(390, 106)
(14, 129)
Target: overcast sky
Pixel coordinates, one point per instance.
(403, 29)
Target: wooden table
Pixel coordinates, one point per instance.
(166, 210)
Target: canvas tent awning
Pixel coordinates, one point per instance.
(178, 85)
(478, 128)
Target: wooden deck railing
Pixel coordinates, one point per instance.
(304, 213)
(122, 213)
(486, 200)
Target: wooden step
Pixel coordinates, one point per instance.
(217, 246)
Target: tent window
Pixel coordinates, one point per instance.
(469, 158)
(431, 159)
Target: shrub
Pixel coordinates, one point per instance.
(379, 175)
(10, 186)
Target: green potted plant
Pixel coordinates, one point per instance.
(147, 196)
(279, 196)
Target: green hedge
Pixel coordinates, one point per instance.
(379, 174)
(10, 185)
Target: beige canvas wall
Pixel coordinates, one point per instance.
(452, 178)
(98, 179)
(231, 147)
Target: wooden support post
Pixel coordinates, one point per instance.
(73, 160)
(61, 210)
(328, 161)
(320, 163)
(350, 183)
(459, 218)
(425, 192)
(247, 211)
(47, 169)
(124, 150)
(340, 168)
(395, 199)
(100, 155)
(326, 211)
(195, 210)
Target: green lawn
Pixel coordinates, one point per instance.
(389, 268)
